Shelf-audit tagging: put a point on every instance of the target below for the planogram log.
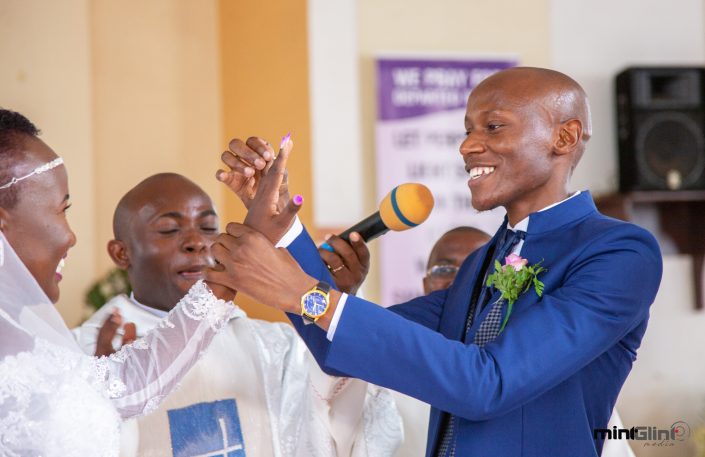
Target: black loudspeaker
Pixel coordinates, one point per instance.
(661, 128)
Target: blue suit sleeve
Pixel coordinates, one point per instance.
(306, 254)
(605, 294)
(424, 310)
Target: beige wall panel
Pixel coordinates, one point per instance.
(45, 75)
(266, 92)
(156, 82)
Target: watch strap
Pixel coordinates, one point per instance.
(323, 287)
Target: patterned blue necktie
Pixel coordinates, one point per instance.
(489, 328)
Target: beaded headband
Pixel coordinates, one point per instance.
(37, 171)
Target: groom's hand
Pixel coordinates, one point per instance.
(249, 263)
(220, 291)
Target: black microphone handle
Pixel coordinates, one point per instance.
(369, 228)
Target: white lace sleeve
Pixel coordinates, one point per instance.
(141, 374)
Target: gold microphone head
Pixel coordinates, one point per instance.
(406, 206)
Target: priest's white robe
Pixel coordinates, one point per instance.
(257, 391)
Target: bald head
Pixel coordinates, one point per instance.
(153, 190)
(559, 93)
(456, 244)
(448, 254)
(527, 129)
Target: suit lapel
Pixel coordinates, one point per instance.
(434, 429)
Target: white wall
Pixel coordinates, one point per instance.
(335, 112)
(593, 41)
(667, 383)
(121, 90)
(156, 99)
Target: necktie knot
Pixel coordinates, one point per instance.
(509, 240)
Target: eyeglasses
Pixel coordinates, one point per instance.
(443, 271)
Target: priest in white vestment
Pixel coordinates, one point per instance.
(272, 397)
(256, 391)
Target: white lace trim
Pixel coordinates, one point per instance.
(384, 430)
(153, 403)
(200, 304)
(113, 387)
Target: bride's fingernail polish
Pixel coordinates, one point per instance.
(285, 140)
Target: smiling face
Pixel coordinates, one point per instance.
(36, 226)
(522, 140)
(164, 229)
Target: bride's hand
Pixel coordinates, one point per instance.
(248, 162)
(270, 209)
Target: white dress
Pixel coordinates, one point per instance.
(279, 402)
(57, 401)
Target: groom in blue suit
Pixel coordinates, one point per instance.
(535, 379)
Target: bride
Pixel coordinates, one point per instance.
(55, 400)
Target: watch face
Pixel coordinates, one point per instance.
(315, 304)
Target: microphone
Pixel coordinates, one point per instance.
(405, 207)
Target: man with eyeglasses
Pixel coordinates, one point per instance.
(448, 254)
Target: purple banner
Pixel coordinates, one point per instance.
(418, 132)
(412, 87)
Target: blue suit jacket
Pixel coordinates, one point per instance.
(554, 373)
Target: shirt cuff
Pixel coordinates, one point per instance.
(294, 231)
(336, 316)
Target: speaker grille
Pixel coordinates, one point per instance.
(670, 151)
(661, 128)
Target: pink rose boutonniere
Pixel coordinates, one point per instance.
(513, 279)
